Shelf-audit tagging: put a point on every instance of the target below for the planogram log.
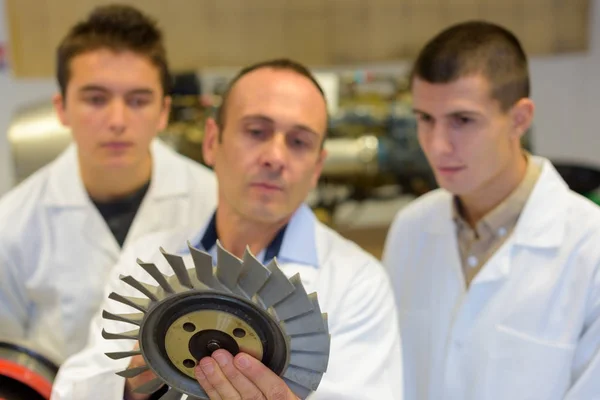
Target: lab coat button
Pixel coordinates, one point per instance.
(472, 261)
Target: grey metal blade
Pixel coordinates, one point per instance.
(313, 361)
(307, 323)
(253, 275)
(312, 322)
(317, 342)
(135, 302)
(178, 266)
(146, 290)
(134, 318)
(125, 335)
(133, 372)
(308, 379)
(299, 390)
(228, 267)
(295, 304)
(172, 394)
(202, 263)
(150, 386)
(158, 276)
(277, 286)
(117, 355)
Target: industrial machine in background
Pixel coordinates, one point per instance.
(372, 148)
(374, 165)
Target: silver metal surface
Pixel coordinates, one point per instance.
(293, 313)
(347, 156)
(35, 137)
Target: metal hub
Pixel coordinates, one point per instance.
(238, 306)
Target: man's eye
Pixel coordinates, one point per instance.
(460, 121)
(95, 100)
(138, 102)
(424, 118)
(255, 132)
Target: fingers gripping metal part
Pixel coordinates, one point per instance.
(236, 305)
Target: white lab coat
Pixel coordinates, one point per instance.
(528, 328)
(352, 287)
(56, 249)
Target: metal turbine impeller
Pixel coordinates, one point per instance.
(238, 305)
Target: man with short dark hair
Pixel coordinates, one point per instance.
(267, 154)
(66, 225)
(497, 273)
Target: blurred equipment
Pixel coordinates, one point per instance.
(36, 137)
(239, 306)
(582, 179)
(24, 374)
(373, 150)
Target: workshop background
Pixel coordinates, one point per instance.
(361, 51)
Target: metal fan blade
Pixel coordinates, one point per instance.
(149, 387)
(135, 302)
(229, 267)
(146, 290)
(317, 342)
(172, 394)
(225, 304)
(133, 372)
(178, 266)
(155, 273)
(125, 335)
(202, 264)
(297, 303)
(277, 287)
(312, 322)
(308, 379)
(313, 361)
(299, 390)
(134, 319)
(117, 355)
(253, 275)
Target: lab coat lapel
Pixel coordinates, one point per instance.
(167, 185)
(541, 225)
(68, 204)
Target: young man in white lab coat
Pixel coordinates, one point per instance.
(65, 226)
(266, 147)
(497, 273)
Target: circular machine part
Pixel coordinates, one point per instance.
(237, 305)
(24, 374)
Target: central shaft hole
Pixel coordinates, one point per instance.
(213, 345)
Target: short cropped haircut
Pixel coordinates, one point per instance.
(117, 28)
(472, 48)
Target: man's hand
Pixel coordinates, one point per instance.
(132, 383)
(224, 377)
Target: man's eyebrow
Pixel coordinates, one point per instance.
(450, 114)
(264, 118)
(98, 88)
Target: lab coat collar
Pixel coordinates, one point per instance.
(65, 186)
(299, 244)
(542, 221)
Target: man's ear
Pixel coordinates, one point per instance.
(164, 113)
(60, 108)
(210, 142)
(522, 116)
(319, 167)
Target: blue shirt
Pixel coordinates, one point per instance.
(295, 243)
